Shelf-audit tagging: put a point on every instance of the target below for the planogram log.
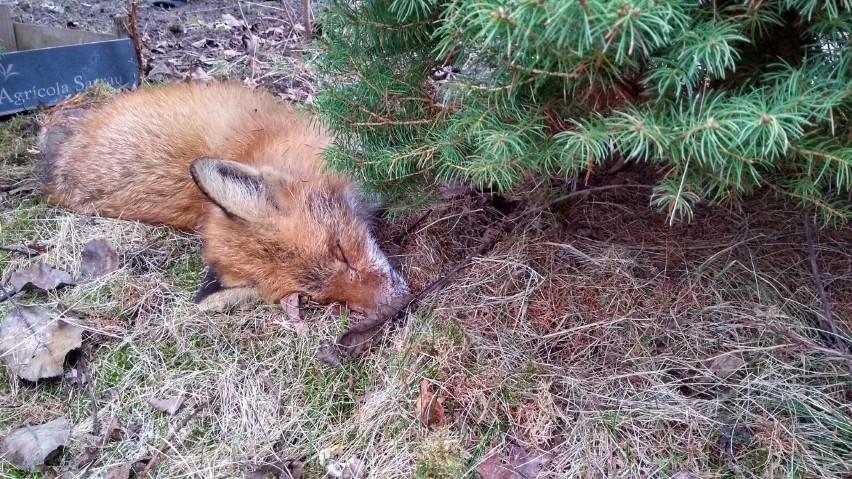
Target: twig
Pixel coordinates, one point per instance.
(799, 341)
(592, 190)
(8, 296)
(286, 8)
(165, 443)
(22, 249)
(306, 12)
(134, 35)
(401, 238)
(85, 372)
(828, 315)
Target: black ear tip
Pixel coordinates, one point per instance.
(209, 285)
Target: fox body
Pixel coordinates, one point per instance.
(240, 168)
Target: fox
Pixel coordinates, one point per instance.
(240, 169)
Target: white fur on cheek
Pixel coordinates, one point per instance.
(396, 285)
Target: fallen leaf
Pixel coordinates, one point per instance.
(34, 341)
(327, 354)
(354, 468)
(290, 469)
(99, 258)
(94, 444)
(161, 71)
(200, 77)
(493, 468)
(428, 407)
(30, 447)
(725, 365)
(38, 276)
(205, 42)
(75, 378)
(360, 337)
(119, 471)
(522, 463)
(526, 462)
(169, 405)
(251, 42)
(302, 328)
(230, 21)
(290, 304)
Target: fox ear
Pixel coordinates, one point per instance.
(236, 188)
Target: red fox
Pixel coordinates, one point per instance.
(239, 168)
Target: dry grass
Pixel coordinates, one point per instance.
(596, 334)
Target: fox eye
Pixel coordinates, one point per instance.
(341, 255)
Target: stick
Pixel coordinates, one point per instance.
(134, 35)
(306, 11)
(165, 443)
(22, 249)
(8, 296)
(411, 228)
(286, 8)
(828, 315)
(85, 371)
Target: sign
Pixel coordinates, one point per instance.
(49, 75)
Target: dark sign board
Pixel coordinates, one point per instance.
(49, 75)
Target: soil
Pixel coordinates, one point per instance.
(257, 42)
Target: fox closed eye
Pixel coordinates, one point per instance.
(341, 256)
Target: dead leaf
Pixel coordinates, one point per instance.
(523, 463)
(30, 447)
(684, 475)
(94, 444)
(99, 258)
(429, 408)
(290, 469)
(354, 468)
(526, 462)
(169, 405)
(205, 42)
(302, 328)
(290, 304)
(360, 337)
(231, 22)
(161, 71)
(251, 42)
(34, 341)
(38, 276)
(493, 468)
(725, 365)
(119, 471)
(327, 354)
(200, 77)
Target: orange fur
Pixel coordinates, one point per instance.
(279, 223)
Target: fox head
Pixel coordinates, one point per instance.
(273, 233)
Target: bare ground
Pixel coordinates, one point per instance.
(623, 346)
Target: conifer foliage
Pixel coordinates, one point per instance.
(723, 97)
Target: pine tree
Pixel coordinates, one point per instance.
(725, 97)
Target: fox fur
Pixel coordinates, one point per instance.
(236, 166)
